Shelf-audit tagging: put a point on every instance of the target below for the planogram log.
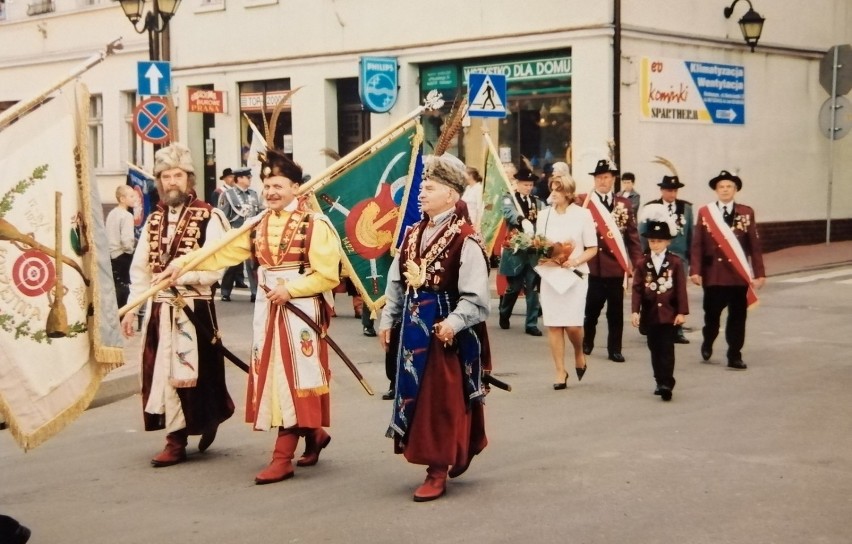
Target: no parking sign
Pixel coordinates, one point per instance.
(151, 120)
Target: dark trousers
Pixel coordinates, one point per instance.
(661, 343)
(231, 276)
(527, 281)
(121, 277)
(716, 299)
(391, 354)
(609, 291)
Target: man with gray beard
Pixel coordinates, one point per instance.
(183, 374)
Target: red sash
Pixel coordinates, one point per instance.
(609, 230)
(735, 255)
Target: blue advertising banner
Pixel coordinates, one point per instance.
(378, 83)
(677, 90)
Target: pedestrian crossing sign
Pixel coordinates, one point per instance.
(486, 95)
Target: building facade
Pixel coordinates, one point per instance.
(685, 87)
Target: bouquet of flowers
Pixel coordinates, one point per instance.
(537, 244)
(559, 253)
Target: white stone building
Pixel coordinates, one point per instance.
(567, 99)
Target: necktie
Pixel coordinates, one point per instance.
(671, 208)
(605, 199)
(725, 214)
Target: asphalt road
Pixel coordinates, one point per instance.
(760, 456)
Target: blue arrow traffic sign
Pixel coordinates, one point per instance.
(154, 78)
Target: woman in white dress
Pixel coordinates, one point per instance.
(473, 196)
(563, 308)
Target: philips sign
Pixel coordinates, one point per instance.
(378, 83)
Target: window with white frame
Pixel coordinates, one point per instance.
(131, 144)
(2, 10)
(96, 131)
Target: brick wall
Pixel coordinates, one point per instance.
(780, 235)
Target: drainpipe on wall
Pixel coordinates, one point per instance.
(616, 87)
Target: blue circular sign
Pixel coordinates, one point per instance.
(151, 120)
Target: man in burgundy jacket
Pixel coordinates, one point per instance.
(726, 260)
(619, 251)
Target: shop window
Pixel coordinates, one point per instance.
(353, 121)
(538, 103)
(96, 131)
(257, 100)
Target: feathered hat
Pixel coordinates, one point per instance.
(669, 182)
(444, 167)
(659, 225)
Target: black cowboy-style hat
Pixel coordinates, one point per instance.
(670, 182)
(524, 174)
(226, 172)
(724, 175)
(604, 166)
(658, 230)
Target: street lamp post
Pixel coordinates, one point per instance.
(155, 22)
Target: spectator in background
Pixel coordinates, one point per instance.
(542, 186)
(628, 191)
(239, 203)
(472, 195)
(227, 179)
(120, 235)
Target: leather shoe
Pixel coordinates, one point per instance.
(207, 438)
(226, 298)
(389, 394)
(665, 393)
(504, 322)
(681, 339)
(706, 352)
(617, 357)
(369, 331)
(659, 390)
(587, 349)
(533, 331)
(580, 372)
(252, 298)
(737, 364)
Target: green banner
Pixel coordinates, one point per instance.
(362, 202)
(495, 185)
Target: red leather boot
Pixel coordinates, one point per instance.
(174, 452)
(281, 467)
(315, 441)
(435, 485)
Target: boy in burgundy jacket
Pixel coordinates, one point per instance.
(659, 299)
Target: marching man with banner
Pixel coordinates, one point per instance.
(619, 250)
(183, 374)
(727, 261)
(438, 288)
(298, 255)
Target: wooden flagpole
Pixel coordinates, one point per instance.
(22, 108)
